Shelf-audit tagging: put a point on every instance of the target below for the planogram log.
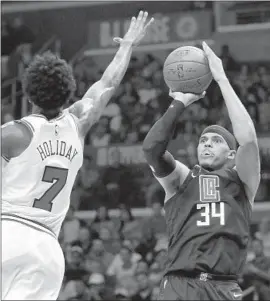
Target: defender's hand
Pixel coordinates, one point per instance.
(186, 98)
(137, 29)
(215, 63)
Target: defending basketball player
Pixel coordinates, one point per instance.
(208, 208)
(41, 155)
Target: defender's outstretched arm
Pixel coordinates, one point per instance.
(89, 109)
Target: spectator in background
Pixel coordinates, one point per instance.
(102, 219)
(85, 239)
(97, 288)
(7, 116)
(25, 54)
(243, 80)
(100, 256)
(155, 274)
(22, 37)
(22, 34)
(146, 245)
(71, 226)
(252, 106)
(90, 186)
(258, 270)
(100, 133)
(121, 294)
(75, 268)
(156, 223)
(161, 257)
(110, 239)
(155, 293)
(144, 291)
(7, 46)
(142, 267)
(264, 235)
(264, 113)
(228, 61)
(7, 42)
(122, 267)
(73, 290)
(129, 228)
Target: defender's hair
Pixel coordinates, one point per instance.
(48, 82)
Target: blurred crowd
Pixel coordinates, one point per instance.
(123, 258)
(112, 258)
(143, 96)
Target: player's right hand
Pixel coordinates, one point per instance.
(137, 29)
(186, 98)
(215, 63)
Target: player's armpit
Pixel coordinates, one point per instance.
(89, 109)
(248, 167)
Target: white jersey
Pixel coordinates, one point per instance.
(36, 185)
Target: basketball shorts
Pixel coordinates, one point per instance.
(32, 263)
(175, 287)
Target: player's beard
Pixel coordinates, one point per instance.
(214, 164)
(207, 166)
(211, 164)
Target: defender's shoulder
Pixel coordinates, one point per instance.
(16, 137)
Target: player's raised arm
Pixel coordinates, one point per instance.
(89, 109)
(169, 172)
(247, 156)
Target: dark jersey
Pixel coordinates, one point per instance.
(208, 223)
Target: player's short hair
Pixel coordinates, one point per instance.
(228, 137)
(48, 82)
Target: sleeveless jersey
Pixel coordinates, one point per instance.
(36, 185)
(208, 223)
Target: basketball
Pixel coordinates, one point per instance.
(186, 70)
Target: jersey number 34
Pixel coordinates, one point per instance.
(210, 201)
(58, 177)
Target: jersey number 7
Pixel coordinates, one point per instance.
(51, 174)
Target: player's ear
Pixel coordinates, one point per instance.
(231, 154)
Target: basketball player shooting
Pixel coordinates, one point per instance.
(208, 208)
(41, 155)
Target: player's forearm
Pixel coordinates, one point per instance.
(243, 127)
(159, 136)
(89, 109)
(116, 70)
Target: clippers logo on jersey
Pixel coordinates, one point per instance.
(208, 185)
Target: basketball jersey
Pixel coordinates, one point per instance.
(208, 223)
(36, 185)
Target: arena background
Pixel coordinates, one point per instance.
(115, 177)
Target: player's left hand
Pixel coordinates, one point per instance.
(137, 29)
(215, 63)
(186, 98)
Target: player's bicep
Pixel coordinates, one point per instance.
(248, 167)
